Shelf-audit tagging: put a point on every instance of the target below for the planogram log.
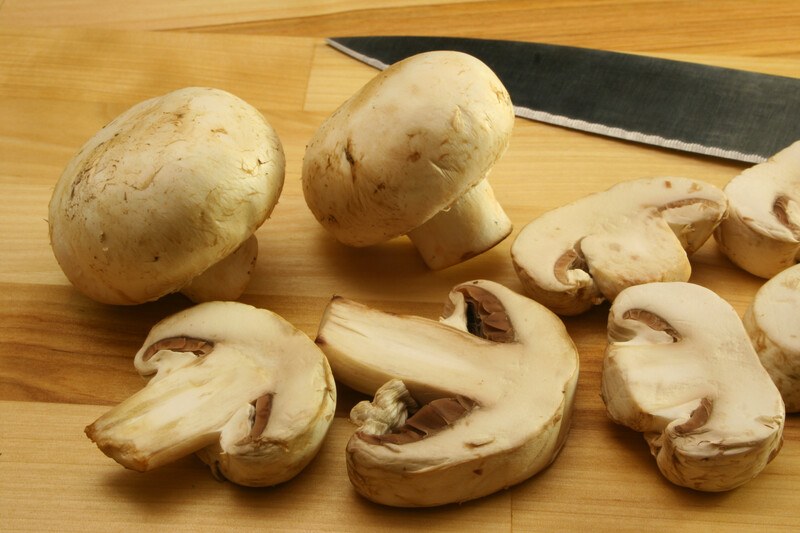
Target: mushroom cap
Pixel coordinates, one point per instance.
(773, 322)
(410, 143)
(246, 390)
(762, 232)
(679, 367)
(638, 231)
(495, 376)
(163, 192)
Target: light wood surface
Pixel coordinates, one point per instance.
(68, 67)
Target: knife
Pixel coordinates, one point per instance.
(721, 112)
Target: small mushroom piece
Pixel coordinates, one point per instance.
(761, 233)
(680, 369)
(240, 386)
(464, 407)
(166, 198)
(773, 322)
(409, 154)
(641, 231)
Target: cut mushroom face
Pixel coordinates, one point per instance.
(773, 323)
(409, 155)
(762, 231)
(167, 195)
(240, 386)
(680, 369)
(640, 231)
(463, 407)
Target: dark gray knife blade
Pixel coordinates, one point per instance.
(716, 111)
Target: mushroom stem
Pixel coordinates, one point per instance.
(227, 279)
(473, 224)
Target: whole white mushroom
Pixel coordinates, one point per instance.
(409, 154)
(167, 198)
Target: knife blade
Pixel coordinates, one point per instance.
(721, 112)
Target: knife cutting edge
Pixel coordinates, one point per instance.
(721, 112)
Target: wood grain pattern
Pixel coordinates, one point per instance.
(85, 492)
(68, 67)
(732, 27)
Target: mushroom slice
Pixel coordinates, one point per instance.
(761, 233)
(466, 406)
(249, 393)
(167, 197)
(773, 323)
(680, 369)
(639, 231)
(409, 154)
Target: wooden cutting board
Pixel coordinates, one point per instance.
(65, 359)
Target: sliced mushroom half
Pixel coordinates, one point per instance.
(680, 369)
(639, 231)
(761, 233)
(773, 323)
(249, 393)
(466, 406)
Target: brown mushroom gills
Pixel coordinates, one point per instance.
(428, 420)
(697, 418)
(652, 320)
(199, 347)
(572, 259)
(782, 210)
(261, 414)
(486, 318)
